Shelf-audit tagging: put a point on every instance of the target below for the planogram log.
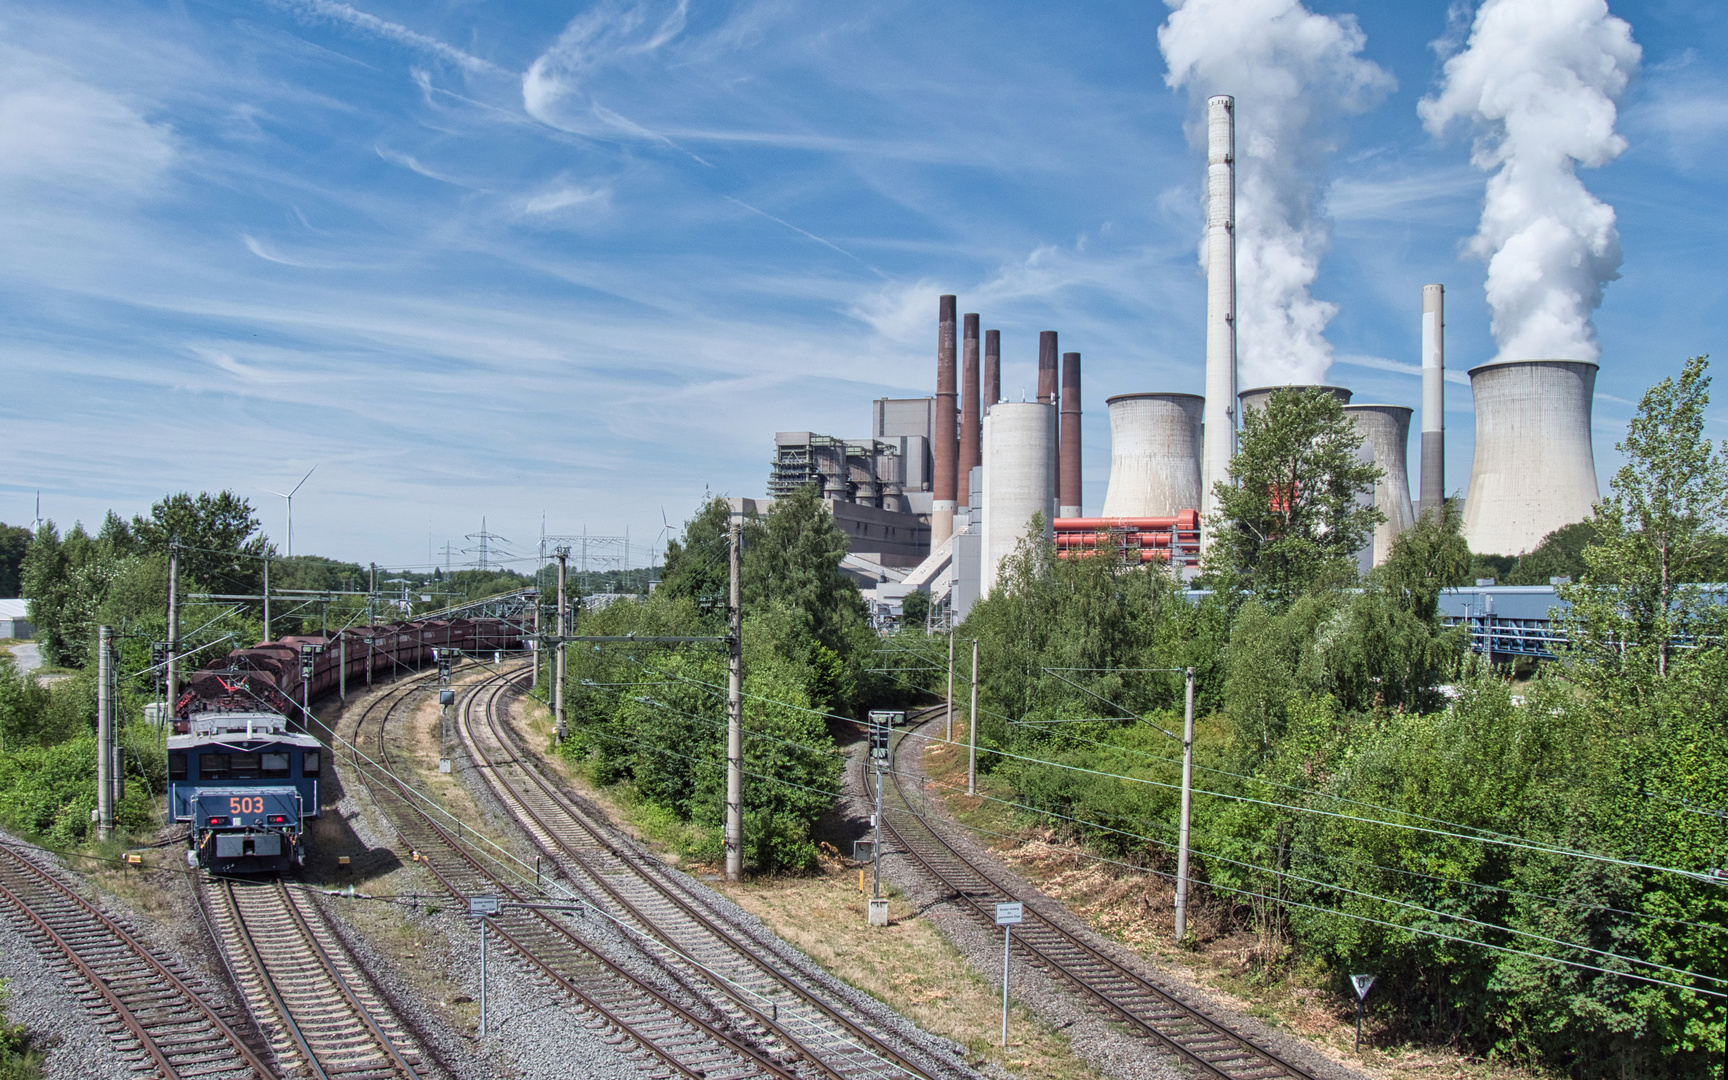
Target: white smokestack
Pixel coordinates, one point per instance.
(1293, 74)
(1219, 426)
(1433, 479)
(1539, 80)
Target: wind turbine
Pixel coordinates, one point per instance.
(290, 498)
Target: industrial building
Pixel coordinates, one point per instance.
(945, 487)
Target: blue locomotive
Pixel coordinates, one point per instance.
(245, 786)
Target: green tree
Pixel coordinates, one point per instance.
(1298, 506)
(14, 540)
(221, 546)
(1560, 554)
(1428, 557)
(1656, 536)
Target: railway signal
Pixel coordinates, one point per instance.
(1363, 984)
(1008, 916)
(446, 698)
(882, 723)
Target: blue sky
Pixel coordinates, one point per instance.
(579, 261)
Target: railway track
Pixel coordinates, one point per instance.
(323, 1016)
(158, 1022)
(1207, 1045)
(639, 891)
(676, 1036)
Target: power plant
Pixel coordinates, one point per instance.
(940, 494)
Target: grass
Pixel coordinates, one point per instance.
(910, 966)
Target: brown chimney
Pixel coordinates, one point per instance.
(946, 447)
(992, 376)
(1046, 367)
(969, 448)
(1068, 466)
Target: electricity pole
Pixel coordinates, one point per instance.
(104, 732)
(172, 674)
(950, 684)
(972, 722)
(266, 598)
(1187, 802)
(735, 705)
(558, 658)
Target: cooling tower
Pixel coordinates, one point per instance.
(1154, 455)
(1019, 478)
(1534, 468)
(1257, 397)
(1219, 433)
(1386, 430)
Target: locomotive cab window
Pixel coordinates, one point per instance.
(177, 765)
(274, 766)
(243, 766)
(212, 766)
(309, 763)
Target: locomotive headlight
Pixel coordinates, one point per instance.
(278, 819)
(215, 821)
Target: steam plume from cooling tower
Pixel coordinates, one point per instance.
(1294, 74)
(1538, 80)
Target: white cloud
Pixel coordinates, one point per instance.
(63, 133)
(396, 32)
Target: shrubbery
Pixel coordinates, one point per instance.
(1376, 799)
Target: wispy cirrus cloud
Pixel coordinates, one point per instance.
(391, 31)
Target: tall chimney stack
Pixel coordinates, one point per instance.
(1047, 367)
(992, 375)
(1068, 469)
(946, 448)
(1433, 489)
(968, 414)
(1220, 417)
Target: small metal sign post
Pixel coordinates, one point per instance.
(1362, 983)
(482, 908)
(1008, 916)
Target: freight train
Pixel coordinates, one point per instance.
(238, 776)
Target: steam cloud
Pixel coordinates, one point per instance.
(1538, 78)
(1294, 74)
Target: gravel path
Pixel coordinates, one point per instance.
(1102, 1044)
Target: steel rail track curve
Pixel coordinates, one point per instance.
(671, 1034)
(302, 986)
(634, 887)
(1206, 1044)
(177, 1034)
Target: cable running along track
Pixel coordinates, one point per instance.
(676, 1037)
(1207, 1045)
(157, 1021)
(323, 1016)
(638, 890)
